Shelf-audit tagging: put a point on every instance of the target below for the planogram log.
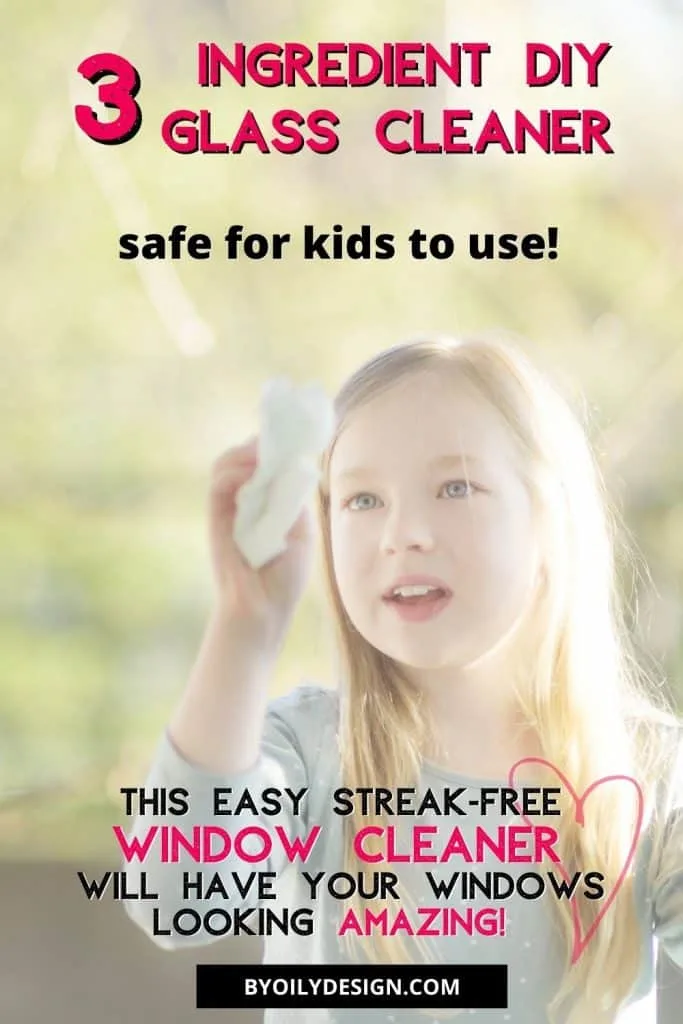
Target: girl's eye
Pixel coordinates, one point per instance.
(457, 489)
(362, 502)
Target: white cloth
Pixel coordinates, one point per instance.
(295, 428)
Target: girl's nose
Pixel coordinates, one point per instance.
(407, 530)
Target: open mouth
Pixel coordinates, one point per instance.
(416, 595)
(417, 601)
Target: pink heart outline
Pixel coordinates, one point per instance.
(581, 942)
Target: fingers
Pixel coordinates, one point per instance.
(235, 464)
(302, 528)
(239, 452)
(229, 479)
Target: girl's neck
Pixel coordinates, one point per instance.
(475, 723)
(481, 755)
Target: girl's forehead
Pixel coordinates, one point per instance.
(420, 414)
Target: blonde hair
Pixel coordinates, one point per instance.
(593, 708)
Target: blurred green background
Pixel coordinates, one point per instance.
(123, 380)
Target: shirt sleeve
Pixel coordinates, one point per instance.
(294, 729)
(668, 890)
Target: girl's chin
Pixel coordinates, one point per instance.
(423, 658)
(427, 656)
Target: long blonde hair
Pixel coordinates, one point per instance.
(593, 708)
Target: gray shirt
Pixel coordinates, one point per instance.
(300, 751)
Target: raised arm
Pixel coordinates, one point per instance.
(218, 735)
(219, 719)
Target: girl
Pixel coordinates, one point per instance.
(469, 562)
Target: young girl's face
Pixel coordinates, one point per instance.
(431, 524)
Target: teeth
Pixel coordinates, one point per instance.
(417, 590)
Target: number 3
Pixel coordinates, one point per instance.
(117, 95)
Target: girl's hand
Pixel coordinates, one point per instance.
(259, 602)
